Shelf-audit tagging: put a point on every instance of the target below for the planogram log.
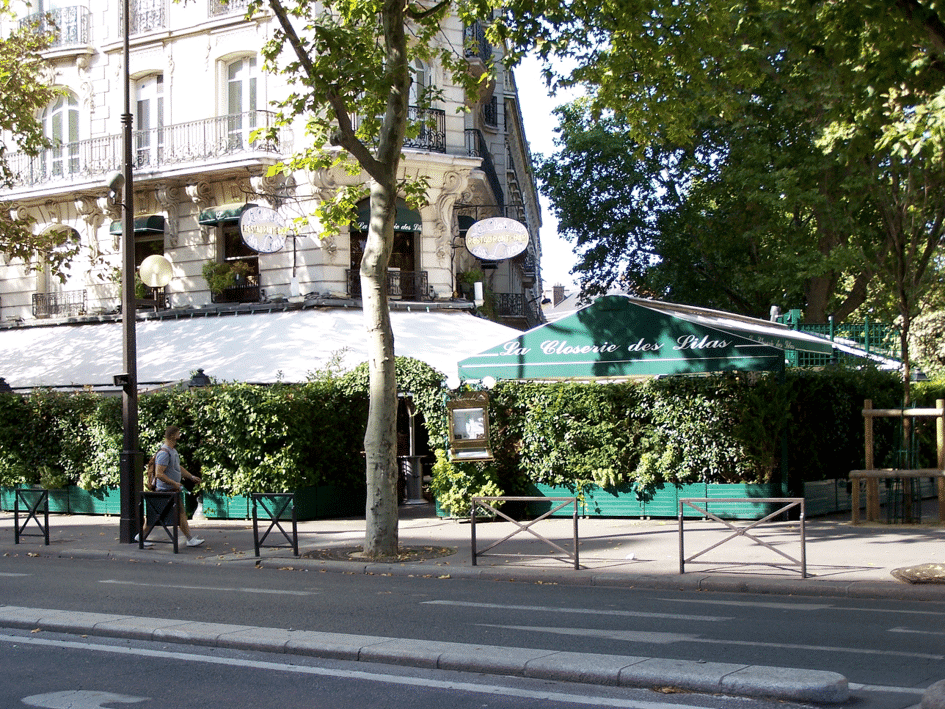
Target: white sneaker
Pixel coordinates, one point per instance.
(146, 543)
(194, 542)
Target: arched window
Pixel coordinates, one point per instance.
(421, 82)
(241, 101)
(50, 299)
(61, 126)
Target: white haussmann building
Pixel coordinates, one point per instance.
(197, 93)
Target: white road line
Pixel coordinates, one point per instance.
(800, 606)
(12, 575)
(274, 591)
(884, 688)
(243, 663)
(663, 638)
(587, 611)
(917, 632)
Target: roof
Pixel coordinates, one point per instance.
(617, 336)
(248, 347)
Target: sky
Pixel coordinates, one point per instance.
(557, 255)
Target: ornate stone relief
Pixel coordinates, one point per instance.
(200, 194)
(445, 225)
(169, 197)
(93, 216)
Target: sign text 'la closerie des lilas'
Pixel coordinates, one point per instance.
(561, 347)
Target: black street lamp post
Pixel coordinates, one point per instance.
(131, 461)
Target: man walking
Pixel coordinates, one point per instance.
(168, 474)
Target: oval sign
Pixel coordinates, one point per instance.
(263, 229)
(496, 238)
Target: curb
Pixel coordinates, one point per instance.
(717, 583)
(613, 670)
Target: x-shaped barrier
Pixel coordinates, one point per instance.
(737, 531)
(275, 505)
(162, 508)
(526, 527)
(33, 500)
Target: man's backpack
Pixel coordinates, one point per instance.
(150, 478)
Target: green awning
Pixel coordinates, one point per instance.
(406, 220)
(153, 224)
(229, 212)
(618, 337)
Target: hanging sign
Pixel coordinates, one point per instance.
(263, 229)
(496, 238)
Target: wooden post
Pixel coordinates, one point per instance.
(872, 484)
(940, 442)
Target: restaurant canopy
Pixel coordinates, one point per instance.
(257, 347)
(618, 337)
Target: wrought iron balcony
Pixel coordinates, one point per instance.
(178, 144)
(432, 135)
(477, 46)
(145, 15)
(405, 285)
(476, 147)
(69, 26)
(221, 7)
(61, 304)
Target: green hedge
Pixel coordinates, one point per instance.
(244, 438)
(680, 430)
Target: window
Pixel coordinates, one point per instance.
(420, 86)
(61, 126)
(245, 264)
(149, 120)
(241, 103)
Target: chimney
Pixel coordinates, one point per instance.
(557, 294)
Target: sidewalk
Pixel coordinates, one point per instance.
(841, 559)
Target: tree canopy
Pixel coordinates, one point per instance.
(25, 92)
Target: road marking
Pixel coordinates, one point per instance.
(242, 663)
(798, 606)
(79, 699)
(278, 592)
(12, 575)
(884, 688)
(587, 611)
(917, 632)
(663, 638)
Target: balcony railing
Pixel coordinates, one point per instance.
(476, 43)
(432, 135)
(145, 16)
(220, 7)
(69, 26)
(515, 305)
(62, 304)
(406, 285)
(243, 293)
(197, 141)
(476, 147)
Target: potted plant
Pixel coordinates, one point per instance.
(220, 276)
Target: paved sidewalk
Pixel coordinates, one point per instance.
(841, 560)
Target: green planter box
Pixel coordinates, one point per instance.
(662, 501)
(328, 501)
(219, 505)
(101, 501)
(6, 499)
(58, 499)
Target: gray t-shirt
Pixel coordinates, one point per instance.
(170, 459)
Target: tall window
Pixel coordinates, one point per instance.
(421, 83)
(241, 101)
(149, 120)
(61, 126)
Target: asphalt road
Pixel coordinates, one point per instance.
(890, 651)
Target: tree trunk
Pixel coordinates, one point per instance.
(380, 438)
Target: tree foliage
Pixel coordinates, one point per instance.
(25, 92)
(350, 65)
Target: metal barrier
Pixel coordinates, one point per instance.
(275, 505)
(33, 500)
(158, 506)
(787, 504)
(527, 527)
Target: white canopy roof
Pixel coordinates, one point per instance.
(247, 347)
